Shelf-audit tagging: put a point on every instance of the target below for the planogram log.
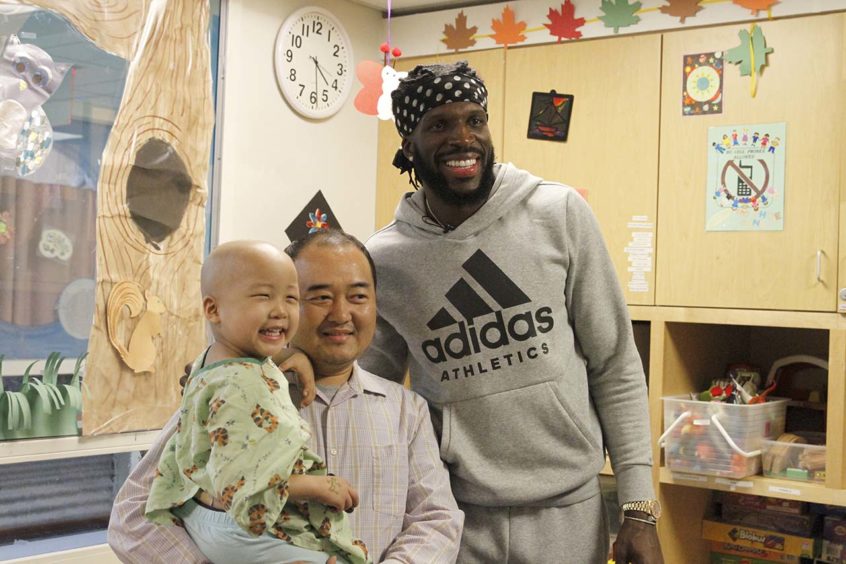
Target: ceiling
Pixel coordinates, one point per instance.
(404, 7)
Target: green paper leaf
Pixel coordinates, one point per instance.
(50, 375)
(20, 414)
(619, 13)
(74, 396)
(77, 370)
(43, 394)
(742, 54)
(25, 380)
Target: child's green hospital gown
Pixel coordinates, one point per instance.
(239, 438)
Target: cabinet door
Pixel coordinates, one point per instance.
(611, 151)
(802, 86)
(390, 185)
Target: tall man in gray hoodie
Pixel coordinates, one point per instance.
(497, 293)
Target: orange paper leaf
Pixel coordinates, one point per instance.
(563, 24)
(756, 5)
(508, 31)
(459, 36)
(681, 8)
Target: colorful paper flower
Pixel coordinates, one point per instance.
(317, 221)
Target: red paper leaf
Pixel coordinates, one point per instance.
(459, 36)
(508, 31)
(563, 24)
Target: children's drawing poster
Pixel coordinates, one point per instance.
(702, 84)
(746, 178)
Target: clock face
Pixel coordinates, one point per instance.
(314, 62)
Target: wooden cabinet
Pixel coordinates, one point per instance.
(612, 148)
(390, 184)
(803, 86)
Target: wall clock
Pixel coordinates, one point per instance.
(313, 60)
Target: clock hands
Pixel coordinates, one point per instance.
(320, 68)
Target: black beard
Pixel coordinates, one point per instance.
(438, 184)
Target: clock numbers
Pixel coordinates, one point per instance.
(337, 49)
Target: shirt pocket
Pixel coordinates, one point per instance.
(390, 479)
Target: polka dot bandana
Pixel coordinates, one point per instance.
(428, 87)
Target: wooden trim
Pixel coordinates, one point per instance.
(835, 417)
(73, 447)
(752, 317)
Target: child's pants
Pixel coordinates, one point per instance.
(223, 541)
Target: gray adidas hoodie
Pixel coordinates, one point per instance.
(515, 329)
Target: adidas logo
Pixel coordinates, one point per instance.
(468, 339)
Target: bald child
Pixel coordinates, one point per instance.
(238, 474)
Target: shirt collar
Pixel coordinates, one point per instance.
(360, 382)
(363, 381)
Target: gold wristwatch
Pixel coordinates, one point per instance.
(649, 506)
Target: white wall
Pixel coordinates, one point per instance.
(274, 161)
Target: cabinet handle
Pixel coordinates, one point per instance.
(819, 264)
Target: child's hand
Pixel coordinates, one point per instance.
(331, 491)
(297, 362)
(336, 492)
(184, 378)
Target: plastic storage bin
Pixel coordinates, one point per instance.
(801, 460)
(718, 439)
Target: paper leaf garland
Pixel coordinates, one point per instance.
(681, 8)
(459, 36)
(756, 5)
(508, 31)
(619, 13)
(563, 24)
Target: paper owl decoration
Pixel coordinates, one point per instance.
(28, 77)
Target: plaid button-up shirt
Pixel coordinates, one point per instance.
(375, 434)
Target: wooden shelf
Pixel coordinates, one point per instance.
(757, 485)
(71, 447)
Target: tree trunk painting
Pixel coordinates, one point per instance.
(151, 196)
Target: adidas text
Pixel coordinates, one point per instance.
(469, 340)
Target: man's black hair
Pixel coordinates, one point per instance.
(330, 237)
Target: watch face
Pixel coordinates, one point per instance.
(314, 62)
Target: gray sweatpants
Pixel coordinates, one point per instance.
(576, 534)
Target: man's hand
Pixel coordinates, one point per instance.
(331, 491)
(294, 360)
(637, 543)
